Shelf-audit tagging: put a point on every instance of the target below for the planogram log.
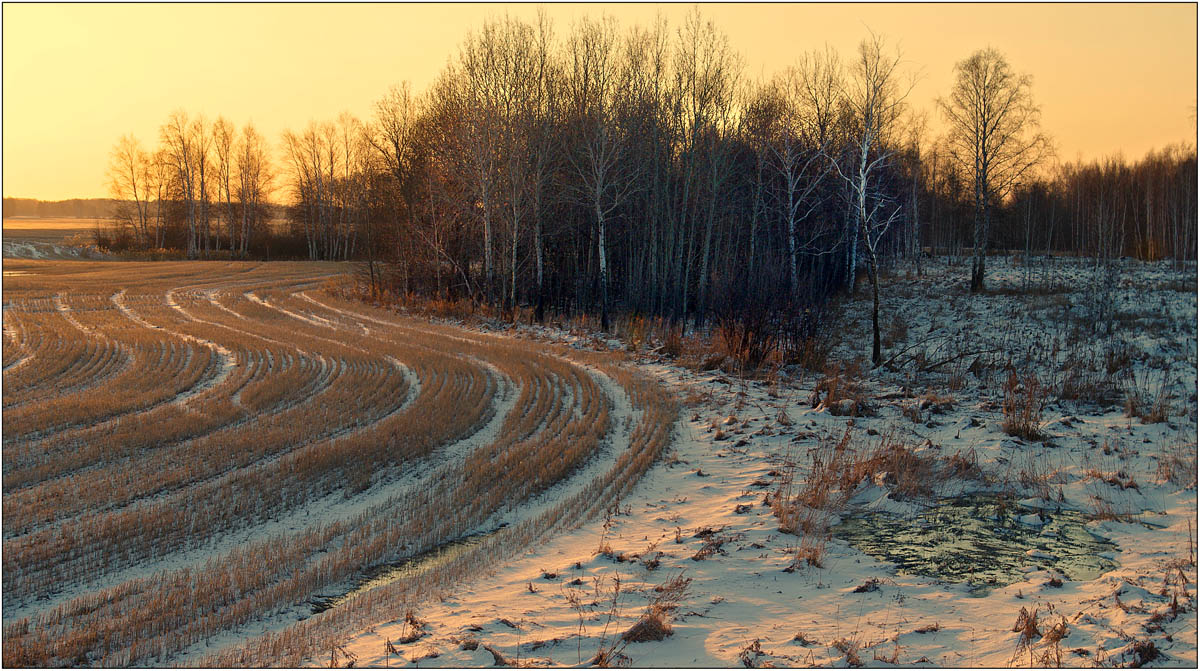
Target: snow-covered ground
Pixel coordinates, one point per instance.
(32, 249)
(1101, 505)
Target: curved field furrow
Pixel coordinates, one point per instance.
(158, 368)
(66, 364)
(339, 437)
(244, 592)
(16, 349)
(354, 545)
(56, 358)
(293, 380)
(206, 459)
(349, 410)
(335, 506)
(167, 369)
(267, 382)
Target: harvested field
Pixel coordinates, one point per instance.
(194, 453)
(240, 464)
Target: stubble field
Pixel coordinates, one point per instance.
(237, 464)
(195, 453)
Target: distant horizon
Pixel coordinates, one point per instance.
(1110, 78)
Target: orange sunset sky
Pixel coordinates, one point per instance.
(1109, 77)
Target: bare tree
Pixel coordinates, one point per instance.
(308, 157)
(644, 118)
(179, 151)
(875, 96)
(254, 177)
(707, 71)
(390, 134)
(809, 95)
(995, 136)
(599, 146)
(357, 164)
(222, 138)
(543, 113)
(518, 67)
(762, 109)
(129, 176)
(475, 96)
(202, 141)
(159, 173)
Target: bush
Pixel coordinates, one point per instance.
(652, 626)
(1024, 400)
(1148, 400)
(757, 322)
(843, 391)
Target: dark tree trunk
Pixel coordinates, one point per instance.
(876, 356)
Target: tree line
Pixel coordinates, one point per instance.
(206, 188)
(641, 170)
(80, 208)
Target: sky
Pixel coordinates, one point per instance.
(1110, 78)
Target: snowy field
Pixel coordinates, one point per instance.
(50, 238)
(934, 529)
(234, 464)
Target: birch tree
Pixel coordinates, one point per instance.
(802, 139)
(995, 136)
(202, 141)
(129, 173)
(543, 138)
(179, 150)
(159, 182)
(254, 181)
(476, 96)
(599, 146)
(706, 72)
(875, 97)
(223, 138)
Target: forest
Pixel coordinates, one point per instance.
(641, 171)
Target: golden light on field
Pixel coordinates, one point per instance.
(1113, 77)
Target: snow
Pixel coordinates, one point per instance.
(703, 513)
(28, 249)
(700, 513)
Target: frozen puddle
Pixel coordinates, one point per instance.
(983, 540)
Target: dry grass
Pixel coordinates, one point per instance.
(1024, 400)
(319, 403)
(843, 391)
(655, 622)
(1027, 630)
(1148, 397)
(805, 500)
(1177, 464)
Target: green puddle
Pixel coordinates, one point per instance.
(979, 540)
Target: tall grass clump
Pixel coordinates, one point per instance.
(1024, 400)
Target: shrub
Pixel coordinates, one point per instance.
(673, 341)
(756, 322)
(1024, 400)
(842, 387)
(1177, 464)
(1147, 399)
(655, 623)
(652, 626)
